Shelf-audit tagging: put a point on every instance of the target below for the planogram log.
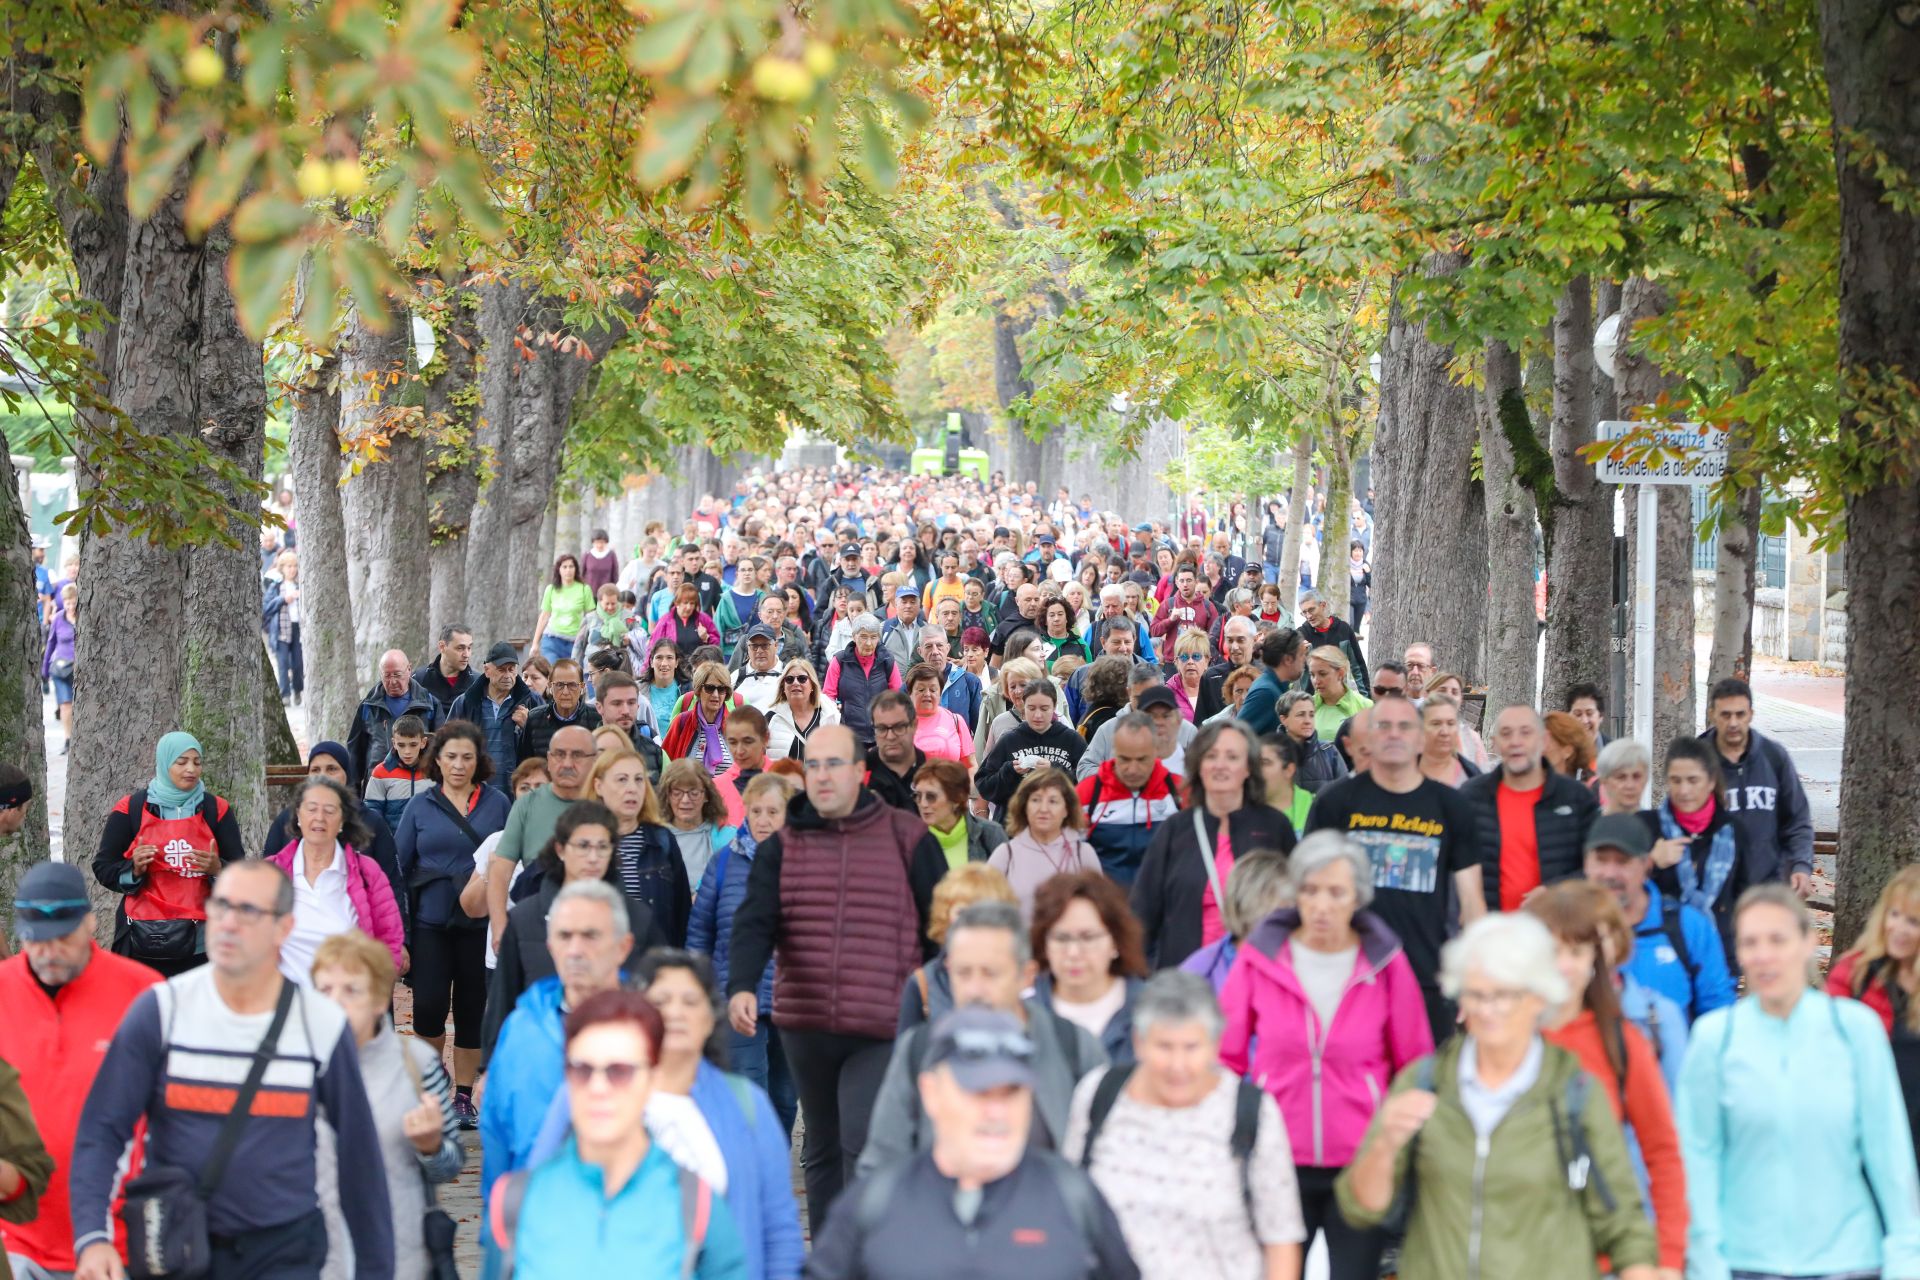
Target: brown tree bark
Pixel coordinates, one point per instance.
(1335, 585)
(1642, 383)
(1870, 57)
(384, 502)
(453, 483)
(1580, 551)
(1735, 574)
(1296, 519)
(1512, 630)
(502, 309)
(1430, 527)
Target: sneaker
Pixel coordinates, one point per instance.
(464, 1112)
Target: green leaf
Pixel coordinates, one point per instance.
(258, 275)
(266, 65)
(217, 182)
(659, 47)
(671, 138)
(100, 123)
(265, 218)
(876, 154)
(710, 60)
(366, 273)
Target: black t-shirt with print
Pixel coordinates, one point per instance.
(1417, 841)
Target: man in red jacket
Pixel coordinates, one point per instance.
(60, 1000)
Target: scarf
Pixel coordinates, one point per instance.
(170, 800)
(713, 750)
(1694, 891)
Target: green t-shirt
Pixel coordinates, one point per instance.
(530, 825)
(566, 608)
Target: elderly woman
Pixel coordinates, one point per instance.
(700, 732)
(940, 790)
(1440, 757)
(928, 993)
(1091, 963)
(1191, 652)
(1472, 746)
(1233, 1209)
(938, 732)
(1623, 767)
(1517, 1164)
(1103, 691)
(1321, 762)
(1045, 834)
(345, 889)
(408, 1093)
(1333, 701)
(1790, 1115)
(1182, 880)
(1257, 888)
(799, 712)
(1323, 1009)
(1000, 707)
(696, 815)
(859, 673)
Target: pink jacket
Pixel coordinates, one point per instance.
(1327, 1080)
(367, 890)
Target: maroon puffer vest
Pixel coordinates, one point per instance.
(849, 932)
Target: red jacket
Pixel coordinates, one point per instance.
(56, 1043)
(1840, 980)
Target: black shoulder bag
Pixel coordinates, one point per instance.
(166, 1206)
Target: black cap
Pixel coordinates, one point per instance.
(50, 902)
(849, 549)
(1620, 831)
(761, 631)
(984, 1048)
(502, 654)
(1158, 695)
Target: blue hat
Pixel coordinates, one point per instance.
(984, 1048)
(333, 749)
(50, 902)
(906, 589)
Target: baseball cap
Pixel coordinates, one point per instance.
(761, 631)
(1620, 831)
(849, 549)
(1155, 696)
(906, 589)
(501, 654)
(984, 1048)
(50, 901)
(1046, 539)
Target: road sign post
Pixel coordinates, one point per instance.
(1661, 453)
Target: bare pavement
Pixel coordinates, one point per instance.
(1797, 703)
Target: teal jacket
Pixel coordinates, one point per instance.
(569, 1228)
(1796, 1142)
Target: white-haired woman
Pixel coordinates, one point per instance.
(1799, 1158)
(1158, 1139)
(1323, 1009)
(1622, 769)
(1513, 1160)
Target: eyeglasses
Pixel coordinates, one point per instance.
(244, 912)
(618, 1074)
(711, 687)
(563, 686)
(803, 681)
(570, 755)
(1077, 941)
(930, 797)
(593, 846)
(891, 729)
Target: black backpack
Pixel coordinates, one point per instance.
(1246, 1124)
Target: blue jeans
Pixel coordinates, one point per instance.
(760, 1059)
(292, 660)
(1272, 570)
(553, 647)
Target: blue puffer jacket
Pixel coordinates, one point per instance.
(523, 1076)
(710, 929)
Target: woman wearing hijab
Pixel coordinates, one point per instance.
(161, 849)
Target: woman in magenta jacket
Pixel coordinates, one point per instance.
(336, 888)
(1322, 1009)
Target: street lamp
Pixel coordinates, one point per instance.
(1606, 344)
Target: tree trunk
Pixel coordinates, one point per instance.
(1506, 428)
(333, 680)
(220, 681)
(536, 427)
(1430, 528)
(1734, 578)
(502, 308)
(1580, 551)
(453, 484)
(1335, 585)
(23, 739)
(1296, 519)
(384, 503)
(277, 742)
(1869, 63)
(1642, 383)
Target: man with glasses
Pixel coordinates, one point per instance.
(530, 825)
(1418, 660)
(178, 1061)
(981, 1199)
(843, 892)
(893, 759)
(1236, 641)
(61, 1000)
(566, 705)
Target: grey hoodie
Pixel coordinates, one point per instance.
(1768, 804)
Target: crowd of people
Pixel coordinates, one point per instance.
(1090, 908)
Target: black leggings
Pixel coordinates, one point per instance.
(450, 970)
(1352, 1254)
(838, 1078)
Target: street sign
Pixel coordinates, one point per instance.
(1690, 453)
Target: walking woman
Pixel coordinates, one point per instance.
(1323, 1010)
(1799, 1160)
(564, 605)
(1045, 835)
(440, 834)
(1333, 701)
(940, 790)
(1321, 762)
(56, 662)
(1440, 757)
(1882, 971)
(646, 857)
(700, 732)
(684, 624)
(1589, 1024)
(344, 888)
(1699, 854)
(799, 712)
(1182, 878)
(664, 684)
(1517, 1165)
(1091, 963)
(696, 815)
(160, 851)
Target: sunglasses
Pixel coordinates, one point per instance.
(619, 1074)
(800, 680)
(57, 909)
(715, 688)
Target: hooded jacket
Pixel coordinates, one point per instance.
(1121, 821)
(1328, 1079)
(841, 904)
(1769, 806)
(371, 735)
